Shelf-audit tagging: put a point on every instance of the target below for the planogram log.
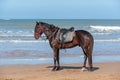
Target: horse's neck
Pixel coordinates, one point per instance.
(51, 33)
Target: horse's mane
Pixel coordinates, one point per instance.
(51, 26)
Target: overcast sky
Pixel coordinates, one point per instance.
(59, 9)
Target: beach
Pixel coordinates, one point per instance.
(102, 71)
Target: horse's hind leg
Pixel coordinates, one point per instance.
(87, 54)
(85, 60)
(90, 62)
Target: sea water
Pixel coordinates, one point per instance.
(18, 46)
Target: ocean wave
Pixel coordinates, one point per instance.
(97, 30)
(20, 33)
(108, 40)
(105, 28)
(16, 33)
(25, 61)
(22, 41)
(101, 33)
(44, 41)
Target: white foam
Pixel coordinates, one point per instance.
(106, 28)
(108, 40)
(16, 33)
(23, 41)
(24, 61)
(102, 33)
(46, 41)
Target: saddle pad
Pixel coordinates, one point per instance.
(67, 37)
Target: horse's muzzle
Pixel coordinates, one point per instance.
(36, 37)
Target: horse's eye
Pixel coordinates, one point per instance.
(38, 29)
(47, 29)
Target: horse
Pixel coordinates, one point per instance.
(82, 39)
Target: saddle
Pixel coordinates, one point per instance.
(65, 35)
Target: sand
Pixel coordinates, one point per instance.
(102, 71)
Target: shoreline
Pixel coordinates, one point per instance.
(102, 71)
(64, 59)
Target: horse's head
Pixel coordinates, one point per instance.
(39, 29)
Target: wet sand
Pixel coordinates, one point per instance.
(102, 71)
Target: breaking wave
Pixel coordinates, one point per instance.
(108, 40)
(46, 41)
(16, 33)
(105, 28)
(23, 41)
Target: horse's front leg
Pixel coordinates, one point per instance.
(58, 64)
(56, 58)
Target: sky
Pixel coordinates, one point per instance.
(59, 9)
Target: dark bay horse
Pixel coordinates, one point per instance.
(82, 38)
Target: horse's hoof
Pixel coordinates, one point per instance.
(57, 68)
(84, 69)
(54, 68)
(90, 69)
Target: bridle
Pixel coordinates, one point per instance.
(41, 30)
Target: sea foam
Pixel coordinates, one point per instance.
(105, 28)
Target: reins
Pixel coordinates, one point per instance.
(53, 33)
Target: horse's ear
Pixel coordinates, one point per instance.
(37, 23)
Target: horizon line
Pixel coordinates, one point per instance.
(56, 19)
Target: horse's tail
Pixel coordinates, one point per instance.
(91, 46)
(91, 50)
